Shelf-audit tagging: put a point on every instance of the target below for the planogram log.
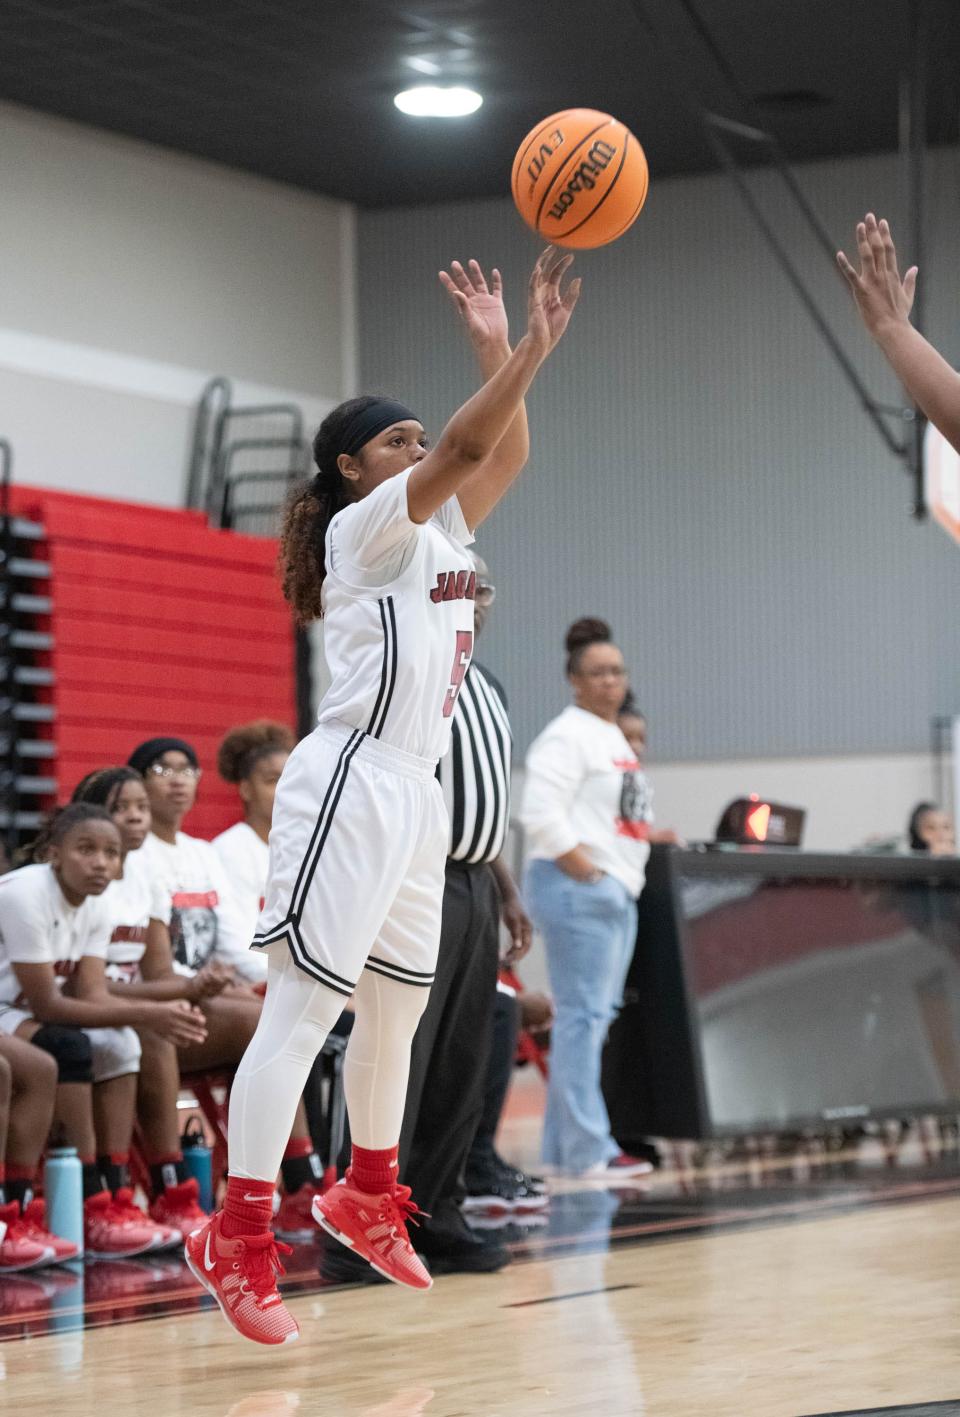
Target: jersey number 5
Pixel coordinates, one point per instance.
(461, 663)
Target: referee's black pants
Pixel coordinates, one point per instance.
(448, 1061)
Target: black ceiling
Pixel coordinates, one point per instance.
(302, 90)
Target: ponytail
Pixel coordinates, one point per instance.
(310, 510)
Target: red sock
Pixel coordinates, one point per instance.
(248, 1208)
(374, 1171)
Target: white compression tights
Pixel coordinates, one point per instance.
(298, 1013)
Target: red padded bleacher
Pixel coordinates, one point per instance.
(161, 625)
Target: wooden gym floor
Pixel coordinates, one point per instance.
(775, 1287)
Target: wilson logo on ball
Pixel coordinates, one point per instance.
(580, 178)
(584, 178)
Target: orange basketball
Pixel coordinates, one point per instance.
(579, 178)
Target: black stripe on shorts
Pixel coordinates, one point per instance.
(290, 934)
(399, 973)
(321, 831)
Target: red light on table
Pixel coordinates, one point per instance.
(749, 821)
(758, 822)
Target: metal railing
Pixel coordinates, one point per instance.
(222, 438)
(242, 483)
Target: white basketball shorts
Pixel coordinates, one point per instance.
(116, 1051)
(358, 848)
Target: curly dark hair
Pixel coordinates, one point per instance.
(581, 635)
(243, 747)
(310, 509)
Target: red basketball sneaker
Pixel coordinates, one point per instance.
(178, 1207)
(294, 1220)
(376, 1228)
(114, 1229)
(168, 1237)
(34, 1224)
(18, 1249)
(241, 1274)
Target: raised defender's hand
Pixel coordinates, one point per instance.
(548, 308)
(479, 305)
(882, 298)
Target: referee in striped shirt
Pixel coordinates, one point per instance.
(448, 1064)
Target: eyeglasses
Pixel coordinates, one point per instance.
(487, 594)
(609, 672)
(188, 773)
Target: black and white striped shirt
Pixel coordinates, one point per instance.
(475, 773)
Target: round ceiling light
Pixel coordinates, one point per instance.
(429, 101)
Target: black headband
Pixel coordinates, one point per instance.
(372, 420)
(146, 754)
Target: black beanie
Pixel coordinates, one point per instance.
(146, 754)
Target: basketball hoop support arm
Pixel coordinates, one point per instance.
(717, 130)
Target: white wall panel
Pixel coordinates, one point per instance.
(700, 473)
(129, 275)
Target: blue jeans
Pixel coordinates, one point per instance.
(589, 933)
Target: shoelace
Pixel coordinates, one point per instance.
(262, 1267)
(31, 1227)
(400, 1210)
(183, 1199)
(20, 1229)
(123, 1209)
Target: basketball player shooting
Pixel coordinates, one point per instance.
(884, 302)
(376, 544)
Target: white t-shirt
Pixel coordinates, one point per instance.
(245, 858)
(584, 786)
(196, 902)
(38, 926)
(398, 619)
(134, 900)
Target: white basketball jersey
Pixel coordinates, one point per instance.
(398, 619)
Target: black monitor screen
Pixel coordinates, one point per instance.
(823, 998)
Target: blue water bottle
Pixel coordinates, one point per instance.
(198, 1159)
(63, 1194)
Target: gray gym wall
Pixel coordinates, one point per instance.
(700, 473)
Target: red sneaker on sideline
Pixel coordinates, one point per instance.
(34, 1224)
(114, 1229)
(178, 1207)
(241, 1274)
(375, 1227)
(18, 1249)
(168, 1237)
(294, 1218)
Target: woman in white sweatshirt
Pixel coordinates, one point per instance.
(586, 812)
